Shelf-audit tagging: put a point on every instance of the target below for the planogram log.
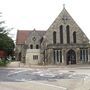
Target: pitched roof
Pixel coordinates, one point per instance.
(22, 35)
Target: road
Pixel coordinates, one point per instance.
(44, 78)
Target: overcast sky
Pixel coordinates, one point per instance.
(39, 14)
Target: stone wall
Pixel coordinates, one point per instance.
(29, 56)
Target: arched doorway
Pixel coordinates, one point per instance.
(71, 57)
(19, 57)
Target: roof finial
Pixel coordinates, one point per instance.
(34, 29)
(63, 6)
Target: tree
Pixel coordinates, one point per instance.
(6, 43)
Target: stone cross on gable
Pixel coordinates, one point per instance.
(63, 5)
(65, 18)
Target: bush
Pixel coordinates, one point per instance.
(3, 62)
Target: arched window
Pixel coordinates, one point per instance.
(31, 46)
(68, 33)
(37, 46)
(54, 37)
(41, 40)
(74, 37)
(61, 34)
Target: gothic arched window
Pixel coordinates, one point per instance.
(68, 33)
(61, 34)
(37, 46)
(74, 37)
(31, 46)
(54, 37)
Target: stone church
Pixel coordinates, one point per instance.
(64, 43)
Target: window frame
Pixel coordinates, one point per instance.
(35, 57)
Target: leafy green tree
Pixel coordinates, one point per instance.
(6, 43)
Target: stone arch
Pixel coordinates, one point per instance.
(61, 34)
(19, 56)
(68, 33)
(31, 46)
(74, 37)
(71, 57)
(54, 37)
(37, 46)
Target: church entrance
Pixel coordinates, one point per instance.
(71, 57)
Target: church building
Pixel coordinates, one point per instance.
(64, 43)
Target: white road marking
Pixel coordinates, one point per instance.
(86, 77)
(17, 72)
(49, 85)
(72, 75)
(35, 82)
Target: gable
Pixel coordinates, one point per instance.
(34, 37)
(22, 35)
(65, 20)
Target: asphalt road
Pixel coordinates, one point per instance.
(20, 75)
(4, 75)
(44, 79)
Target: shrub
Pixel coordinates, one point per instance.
(3, 62)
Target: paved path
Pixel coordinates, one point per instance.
(17, 64)
(60, 85)
(28, 86)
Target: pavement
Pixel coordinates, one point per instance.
(28, 86)
(17, 64)
(59, 85)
